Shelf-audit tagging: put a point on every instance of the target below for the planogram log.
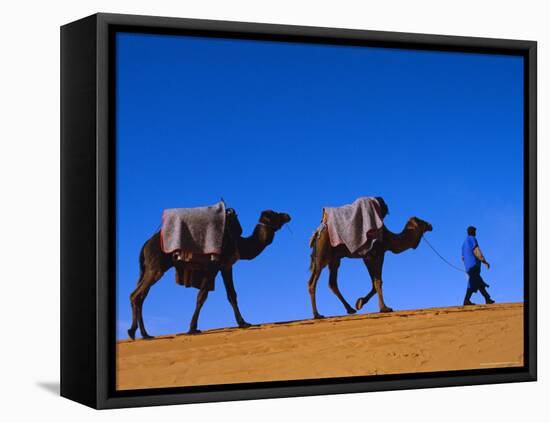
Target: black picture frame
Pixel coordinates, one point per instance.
(88, 210)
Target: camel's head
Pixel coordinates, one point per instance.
(274, 219)
(419, 225)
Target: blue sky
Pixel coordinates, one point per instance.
(295, 127)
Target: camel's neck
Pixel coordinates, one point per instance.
(253, 245)
(404, 240)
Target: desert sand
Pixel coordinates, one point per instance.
(425, 340)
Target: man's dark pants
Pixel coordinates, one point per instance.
(476, 283)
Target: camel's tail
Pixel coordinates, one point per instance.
(313, 246)
(142, 262)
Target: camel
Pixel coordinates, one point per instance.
(323, 254)
(154, 263)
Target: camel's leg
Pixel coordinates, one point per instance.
(312, 285)
(364, 300)
(374, 266)
(381, 304)
(201, 298)
(133, 328)
(227, 275)
(333, 284)
(133, 303)
(361, 301)
(137, 298)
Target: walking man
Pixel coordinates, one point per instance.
(472, 258)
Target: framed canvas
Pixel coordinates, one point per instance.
(353, 211)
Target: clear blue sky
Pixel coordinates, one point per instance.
(294, 127)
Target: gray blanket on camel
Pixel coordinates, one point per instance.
(355, 225)
(196, 230)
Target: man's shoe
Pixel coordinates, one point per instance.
(489, 301)
(467, 303)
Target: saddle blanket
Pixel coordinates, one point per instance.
(357, 225)
(196, 230)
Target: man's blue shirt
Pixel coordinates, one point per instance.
(470, 260)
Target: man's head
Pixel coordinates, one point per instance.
(471, 230)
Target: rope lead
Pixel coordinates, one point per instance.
(441, 257)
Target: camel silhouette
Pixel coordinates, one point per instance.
(323, 254)
(154, 263)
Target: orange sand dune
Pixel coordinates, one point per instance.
(452, 338)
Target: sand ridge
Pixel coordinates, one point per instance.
(405, 341)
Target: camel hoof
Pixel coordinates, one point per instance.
(194, 332)
(318, 316)
(132, 334)
(244, 325)
(359, 304)
(147, 337)
(386, 310)
(351, 311)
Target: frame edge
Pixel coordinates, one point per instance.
(78, 204)
(104, 22)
